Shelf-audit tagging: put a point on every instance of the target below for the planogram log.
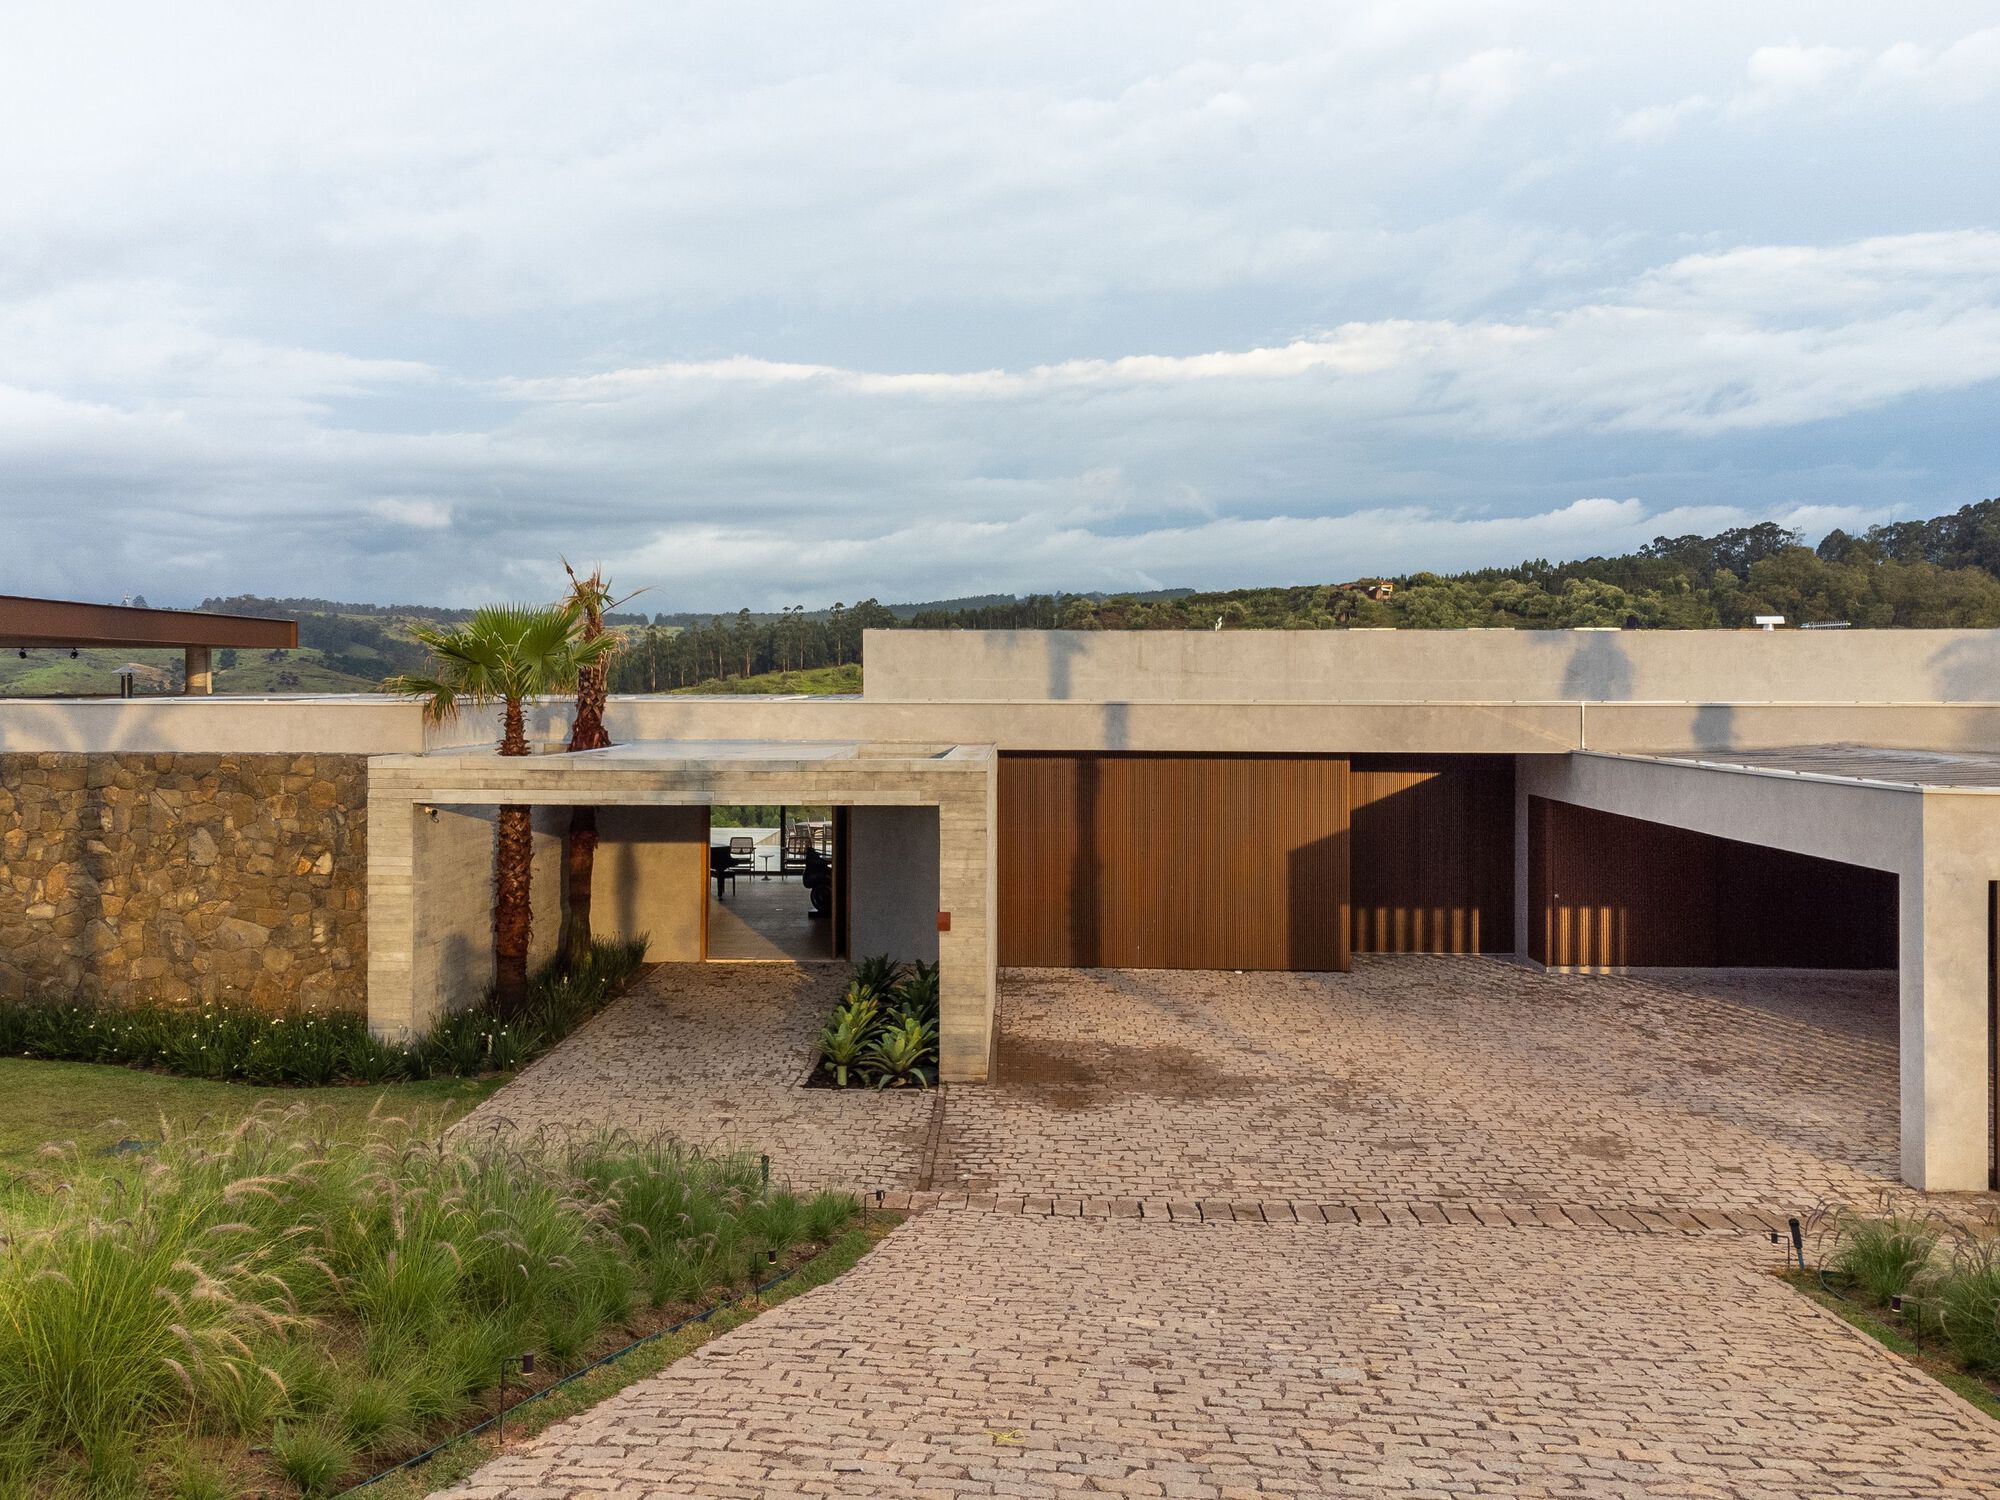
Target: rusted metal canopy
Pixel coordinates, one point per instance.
(65, 622)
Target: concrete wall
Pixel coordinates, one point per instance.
(346, 724)
(451, 956)
(893, 882)
(1414, 666)
(651, 879)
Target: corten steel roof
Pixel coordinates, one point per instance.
(1916, 770)
(65, 622)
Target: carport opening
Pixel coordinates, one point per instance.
(776, 883)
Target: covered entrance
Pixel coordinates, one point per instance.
(919, 852)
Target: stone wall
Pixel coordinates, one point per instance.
(184, 877)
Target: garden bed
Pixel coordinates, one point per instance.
(883, 1031)
(263, 1310)
(1927, 1287)
(245, 1044)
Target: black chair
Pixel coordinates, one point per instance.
(722, 865)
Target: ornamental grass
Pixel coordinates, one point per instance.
(272, 1309)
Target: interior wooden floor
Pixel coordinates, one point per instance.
(765, 919)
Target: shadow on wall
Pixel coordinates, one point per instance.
(1714, 727)
(1968, 670)
(1317, 905)
(1599, 668)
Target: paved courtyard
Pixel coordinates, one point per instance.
(1407, 1081)
(715, 1054)
(982, 1354)
(1138, 1277)
(1441, 1079)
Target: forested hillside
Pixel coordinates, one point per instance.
(1940, 572)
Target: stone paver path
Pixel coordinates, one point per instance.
(1434, 1079)
(980, 1354)
(714, 1054)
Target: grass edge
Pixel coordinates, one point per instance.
(464, 1457)
(1975, 1392)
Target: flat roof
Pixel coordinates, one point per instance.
(639, 756)
(42, 623)
(1862, 765)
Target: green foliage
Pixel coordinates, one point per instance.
(269, 1290)
(505, 653)
(1884, 1256)
(898, 1052)
(845, 1038)
(884, 1030)
(301, 1047)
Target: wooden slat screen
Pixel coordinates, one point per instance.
(1432, 853)
(1608, 891)
(1173, 861)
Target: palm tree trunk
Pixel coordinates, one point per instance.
(587, 732)
(513, 909)
(582, 861)
(513, 870)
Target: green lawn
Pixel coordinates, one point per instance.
(96, 1107)
(816, 680)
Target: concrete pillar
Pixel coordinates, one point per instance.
(966, 953)
(199, 677)
(1946, 1067)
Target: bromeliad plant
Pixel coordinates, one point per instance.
(884, 1031)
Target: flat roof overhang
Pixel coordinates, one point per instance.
(44, 623)
(691, 771)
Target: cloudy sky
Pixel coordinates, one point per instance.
(777, 304)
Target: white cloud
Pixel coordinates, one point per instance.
(1791, 76)
(789, 304)
(422, 515)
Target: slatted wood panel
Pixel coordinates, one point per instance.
(1611, 891)
(1432, 853)
(1173, 861)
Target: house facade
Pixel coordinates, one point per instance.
(1242, 801)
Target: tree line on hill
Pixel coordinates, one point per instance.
(1940, 572)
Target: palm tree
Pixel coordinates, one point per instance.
(509, 653)
(589, 598)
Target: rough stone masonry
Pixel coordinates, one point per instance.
(184, 877)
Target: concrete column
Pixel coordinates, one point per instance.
(1946, 1067)
(966, 972)
(198, 677)
(391, 914)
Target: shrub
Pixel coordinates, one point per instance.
(303, 1047)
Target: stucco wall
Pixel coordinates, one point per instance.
(1405, 666)
(651, 879)
(893, 882)
(184, 877)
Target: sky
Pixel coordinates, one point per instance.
(793, 303)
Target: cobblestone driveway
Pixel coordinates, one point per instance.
(714, 1054)
(1408, 1080)
(1437, 1079)
(980, 1354)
